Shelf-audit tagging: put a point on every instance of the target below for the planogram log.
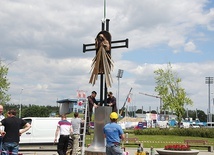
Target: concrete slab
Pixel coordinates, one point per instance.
(131, 151)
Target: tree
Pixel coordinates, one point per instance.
(4, 84)
(36, 111)
(32, 110)
(202, 115)
(172, 94)
(192, 114)
(139, 111)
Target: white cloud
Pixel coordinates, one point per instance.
(190, 47)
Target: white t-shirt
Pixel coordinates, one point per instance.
(65, 127)
(1, 127)
(1, 117)
(125, 153)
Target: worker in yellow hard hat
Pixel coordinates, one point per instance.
(113, 116)
(113, 134)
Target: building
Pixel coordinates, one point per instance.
(71, 105)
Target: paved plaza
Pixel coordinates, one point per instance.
(131, 151)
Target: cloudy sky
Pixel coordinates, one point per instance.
(42, 43)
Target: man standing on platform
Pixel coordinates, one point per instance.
(111, 101)
(91, 103)
(113, 134)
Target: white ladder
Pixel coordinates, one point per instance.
(83, 135)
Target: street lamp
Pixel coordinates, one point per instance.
(212, 111)
(20, 103)
(119, 76)
(209, 80)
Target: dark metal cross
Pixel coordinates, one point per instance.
(91, 47)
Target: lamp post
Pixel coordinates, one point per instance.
(20, 103)
(119, 76)
(212, 111)
(209, 80)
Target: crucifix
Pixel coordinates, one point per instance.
(102, 65)
(113, 44)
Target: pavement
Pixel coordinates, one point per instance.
(131, 151)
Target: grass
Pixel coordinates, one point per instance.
(157, 141)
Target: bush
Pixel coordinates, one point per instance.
(198, 132)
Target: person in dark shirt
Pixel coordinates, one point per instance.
(92, 103)
(111, 101)
(14, 128)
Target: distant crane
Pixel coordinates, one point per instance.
(155, 97)
(122, 109)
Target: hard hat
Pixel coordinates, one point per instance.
(113, 115)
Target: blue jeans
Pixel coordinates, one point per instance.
(10, 147)
(0, 144)
(114, 150)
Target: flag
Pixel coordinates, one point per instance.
(81, 94)
(80, 103)
(129, 98)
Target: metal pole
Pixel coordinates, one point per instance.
(105, 87)
(101, 89)
(209, 101)
(119, 75)
(101, 75)
(104, 9)
(142, 109)
(118, 95)
(212, 111)
(20, 103)
(209, 80)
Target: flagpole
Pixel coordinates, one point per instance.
(104, 10)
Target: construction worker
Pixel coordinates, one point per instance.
(113, 134)
(92, 103)
(111, 101)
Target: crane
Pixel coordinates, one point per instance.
(125, 102)
(153, 96)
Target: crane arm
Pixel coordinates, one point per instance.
(150, 95)
(125, 102)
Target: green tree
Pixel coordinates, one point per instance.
(4, 84)
(192, 114)
(32, 110)
(36, 111)
(172, 94)
(139, 111)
